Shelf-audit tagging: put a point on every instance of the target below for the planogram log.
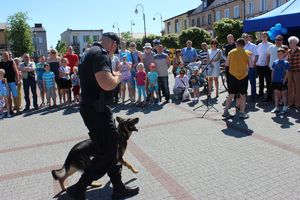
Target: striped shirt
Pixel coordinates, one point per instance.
(294, 60)
(203, 57)
(48, 77)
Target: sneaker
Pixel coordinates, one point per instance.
(298, 130)
(243, 115)
(8, 115)
(284, 110)
(125, 192)
(275, 110)
(227, 115)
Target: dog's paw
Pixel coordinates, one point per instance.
(96, 184)
(135, 171)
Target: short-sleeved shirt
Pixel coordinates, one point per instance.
(228, 48)
(152, 77)
(48, 77)
(95, 60)
(161, 64)
(189, 54)
(294, 60)
(75, 79)
(279, 68)
(23, 65)
(148, 58)
(272, 51)
(39, 68)
(72, 60)
(140, 78)
(253, 49)
(238, 63)
(262, 50)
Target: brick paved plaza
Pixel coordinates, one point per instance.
(179, 154)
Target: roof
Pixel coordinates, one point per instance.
(199, 9)
(185, 13)
(77, 30)
(286, 14)
(3, 26)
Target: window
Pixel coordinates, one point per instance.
(251, 8)
(263, 5)
(185, 24)
(168, 27)
(39, 40)
(236, 12)
(227, 13)
(203, 20)
(218, 16)
(75, 39)
(177, 28)
(198, 22)
(39, 52)
(193, 22)
(209, 19)
(95, 38)
(204, 3)
(86, 38)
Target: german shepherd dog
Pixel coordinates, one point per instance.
(81, 153)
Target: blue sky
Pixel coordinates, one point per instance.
(58, 15)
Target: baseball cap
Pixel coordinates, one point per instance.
(113, 36)
(156, 42)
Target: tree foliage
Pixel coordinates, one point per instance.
(61, 47)
(196, 35)
(170, 41)
(228, 26)
(20, 34)
(150, 38)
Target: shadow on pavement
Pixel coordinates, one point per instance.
(48, 110)
(237, 128)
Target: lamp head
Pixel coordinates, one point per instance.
(136, 11)
(153, 18)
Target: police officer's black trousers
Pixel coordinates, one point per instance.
(104, 135)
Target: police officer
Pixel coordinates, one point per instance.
(97, 83)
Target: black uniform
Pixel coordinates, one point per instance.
(97, 116)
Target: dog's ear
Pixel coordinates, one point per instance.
(119, 119)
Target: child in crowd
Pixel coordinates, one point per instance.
(65, 80)
(195, 83)
(141, 82)
(49, 85)
(124, 69)
(3, 94)
(279, 80)
(152, 77)
(191, 66)
(177, 63)
(75, 84)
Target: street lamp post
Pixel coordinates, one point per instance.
(144, 18)
(132, 24)
(161, 21)
(116, 24)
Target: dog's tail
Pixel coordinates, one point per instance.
(59, 173)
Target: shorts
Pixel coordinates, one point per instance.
(64, 83)
(3, 92)
(153, 89)
(76, 89)
(40, 85)
(124, 81)
(50, 93)
(279, 86)
(12, 88)
(236, 86)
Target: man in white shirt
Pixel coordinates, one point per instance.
(272, 51)
(252, 68)
(263, 69)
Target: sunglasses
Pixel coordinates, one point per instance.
(214, 43)
(53, 52)
(278, 39)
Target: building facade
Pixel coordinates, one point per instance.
(178, 23)
(210, 11)
(79, 39)
(3, 38)
(39, 40)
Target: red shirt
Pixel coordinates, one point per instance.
(140, 78)
(72, 60)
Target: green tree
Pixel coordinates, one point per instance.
(20, 34)
(126, 36)
(196, 35)
(61, 47)
(227, 26)
(170, 41)
(150, 39)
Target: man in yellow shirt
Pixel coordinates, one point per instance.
(238, 61)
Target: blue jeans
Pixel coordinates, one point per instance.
(252, 79)
(30, 83)
(163, 85)
(141, 91)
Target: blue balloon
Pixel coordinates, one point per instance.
(269, 33)
(272, 37)
(284, 30)
(278, 26)
(275, 33)
(273, 29)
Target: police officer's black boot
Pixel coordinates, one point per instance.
(122, 191)
(77, 191)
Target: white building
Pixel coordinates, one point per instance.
(80, 39)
